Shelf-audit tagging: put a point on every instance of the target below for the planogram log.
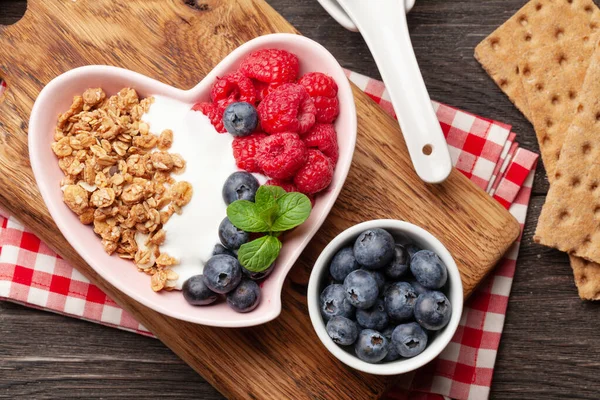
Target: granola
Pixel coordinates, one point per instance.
(118, 177)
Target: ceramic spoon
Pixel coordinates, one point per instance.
(383, 26)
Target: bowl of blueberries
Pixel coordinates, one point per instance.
(385, 297)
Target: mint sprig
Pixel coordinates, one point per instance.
(273, 212)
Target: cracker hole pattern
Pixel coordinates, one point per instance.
(564, 214)
(588, 8)
(598, 117)
(586, 148)
(593, 26)
(557, 175)
(495, 43)
(538, 7)
(528, 37)
(549, 123)
(597, 211)
(526, 70)
(523, 20)
(575, 182)
(572, 95)
(555, 100)
(579, 108)
(582, 280)
(517, 70)
(503, 83)
(539, 87)
(557, 155)
(570, 1)
(559, 33)
(586, 240)
(562, 59)
(545, 140)
(593, 186)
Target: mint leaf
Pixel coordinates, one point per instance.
(246, 216)
(266, 195)
(259, 254)
(294, 209)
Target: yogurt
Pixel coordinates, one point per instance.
(191, 236)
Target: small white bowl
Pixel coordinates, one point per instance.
(399, 229)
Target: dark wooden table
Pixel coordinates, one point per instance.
(550, 346)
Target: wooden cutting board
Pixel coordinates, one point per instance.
(178, 42)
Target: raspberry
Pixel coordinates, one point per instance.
(328, 109)
(285, 185)
(244, 151)
(287, 109)
(319, 84)
(281, 155)
(232, 88)
(324, 138)
(323, 89)
(213, 113)
(271, 65)
(316, 174)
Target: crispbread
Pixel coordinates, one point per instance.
(552, 77)
(587, 278)
(538, 23)
(570, 219)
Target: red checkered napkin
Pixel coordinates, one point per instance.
(31, 274)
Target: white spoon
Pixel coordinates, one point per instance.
(383, 26)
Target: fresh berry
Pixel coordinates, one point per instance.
(244, 151)
(428, 269)
(262, 89)
(214, 115)
(240, 185)
(287, 109)
(285, 185)
(400, 301)
(220, 249)
(245, 297)
(316, 174)
(374, 248)
(231, 88)
(240, 119)
(319, 84)
(361, 289)
(328, 108)
(271, 66)
(333, 302)
(433, 310)
(256, 276)
(222, 273)
(392, 354)
(410, 339)
(399, 265)
(197, 293)
(323, 90)
(324, 138)
(419, 289)
(371, 346)
(281, 155)
(232, 237)
(342, 264)
(412, 249)
(342, 330)
(379, 278)
(374, 317)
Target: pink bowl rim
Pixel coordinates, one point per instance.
(271, 40)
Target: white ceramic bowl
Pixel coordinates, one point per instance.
(57, 96)
(399, 229)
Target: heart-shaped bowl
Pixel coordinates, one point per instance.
(57, 96)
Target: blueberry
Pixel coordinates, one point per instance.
(256, 276)
(399, 264)
(197, 293)
(400, 300)
(245, 297)
(343, 263)
(419, 289)
(222, 273)
(374, 248)
(342, 330)
(412, 249)
(392, 354)
(374, 317)
(410, 339)
(220, 249)
(379, 278)
(240, 119)
(371, 346)
(232, 237)
(433, 310)
(428, 269)
(240, 185)
(334, 303)
(361, 289)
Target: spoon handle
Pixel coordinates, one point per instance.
(383, 26)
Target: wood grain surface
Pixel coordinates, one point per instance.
(179, 43)
(550, 347)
